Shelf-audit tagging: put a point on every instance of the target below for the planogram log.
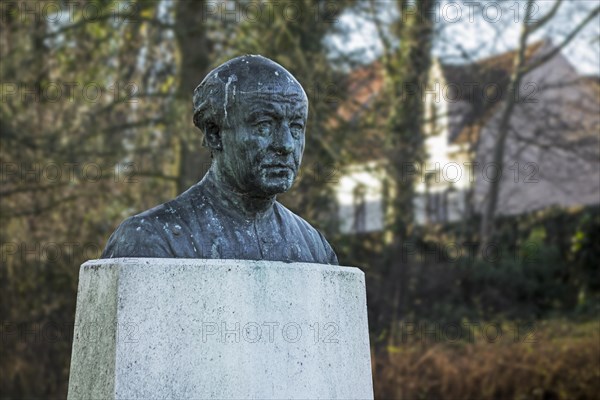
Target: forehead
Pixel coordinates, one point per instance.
(255, 83)
(272, 84)
(252, 102)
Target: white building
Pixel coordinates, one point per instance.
(551, 154)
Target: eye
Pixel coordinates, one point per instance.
(296, 129)
(263, 128)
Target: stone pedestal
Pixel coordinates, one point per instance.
(149, 328)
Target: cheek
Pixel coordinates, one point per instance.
(238, 158)
(299, 151)
(255, 147)
(250, 154)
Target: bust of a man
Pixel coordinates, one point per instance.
(253, 114)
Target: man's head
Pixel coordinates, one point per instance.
(253, 114)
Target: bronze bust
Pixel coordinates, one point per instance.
(253, 114)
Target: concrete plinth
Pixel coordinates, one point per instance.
(149, 328)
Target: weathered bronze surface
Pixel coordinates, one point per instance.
(253, 114)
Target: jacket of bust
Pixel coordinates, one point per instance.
(203, 222)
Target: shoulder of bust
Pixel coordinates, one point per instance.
(285, 213)
(307, 228)
(140, 236)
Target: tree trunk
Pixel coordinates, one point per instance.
(195, 51)
(409, 66)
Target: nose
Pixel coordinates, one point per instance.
(283, 142)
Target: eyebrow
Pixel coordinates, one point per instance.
(256, 114)
(298, 112)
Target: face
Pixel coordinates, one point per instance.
(263, 141)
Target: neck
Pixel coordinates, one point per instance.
(250, 206)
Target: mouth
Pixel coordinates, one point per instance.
(279, 166)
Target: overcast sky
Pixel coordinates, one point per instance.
(485, 28)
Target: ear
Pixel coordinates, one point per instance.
(212, 135)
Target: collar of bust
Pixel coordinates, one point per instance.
(235, 204)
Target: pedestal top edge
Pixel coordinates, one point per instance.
(131, 261)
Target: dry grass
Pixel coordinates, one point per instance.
(561, 361)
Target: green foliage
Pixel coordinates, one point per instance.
(541, 265)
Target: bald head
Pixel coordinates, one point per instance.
(236, 81)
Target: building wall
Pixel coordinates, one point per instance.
(543, 164)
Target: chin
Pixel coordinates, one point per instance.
(277, 186)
